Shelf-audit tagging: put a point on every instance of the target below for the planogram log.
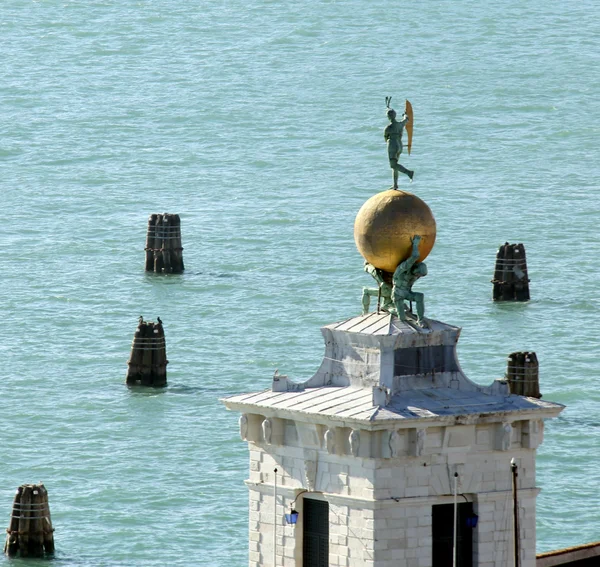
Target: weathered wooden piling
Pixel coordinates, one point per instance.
(150, 238)
(30, 533)
(147, 365)
(164, 253)
(511, 281)
(522, 374)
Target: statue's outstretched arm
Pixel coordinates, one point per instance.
(416, 240)
(408, 263)
(373, 271)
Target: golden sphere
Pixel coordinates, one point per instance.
(385, 225)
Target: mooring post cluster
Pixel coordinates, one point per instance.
(164, 252)
(147, 364)
(30, 533)
(522, 374)
(394, 231)
(511, 282)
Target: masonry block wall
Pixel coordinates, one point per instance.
(381, 486)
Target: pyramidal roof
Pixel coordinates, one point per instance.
(379, 370)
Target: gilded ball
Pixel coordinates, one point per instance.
(385, 225)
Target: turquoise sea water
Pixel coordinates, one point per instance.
(260, 123)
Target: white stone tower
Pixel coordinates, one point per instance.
(379, 450)
(391, 456)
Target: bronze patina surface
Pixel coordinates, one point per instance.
(393, 136)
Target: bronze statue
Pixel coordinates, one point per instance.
(405, 275)
(391, 298)
(393, 136)
(383, 292)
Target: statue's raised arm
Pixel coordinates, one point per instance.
(416, 240)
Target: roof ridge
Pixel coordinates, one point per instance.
(373, 416)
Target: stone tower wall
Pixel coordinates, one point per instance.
(381, 507)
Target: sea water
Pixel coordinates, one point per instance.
(260, 123)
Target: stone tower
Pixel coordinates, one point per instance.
(389, 454)
(381, 448)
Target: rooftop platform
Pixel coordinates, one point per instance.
(379, 370)
(350, 404)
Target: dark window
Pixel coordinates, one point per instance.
(316, 533)
(443, 532)
(424, 360)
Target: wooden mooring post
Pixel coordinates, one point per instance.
(511, 281)
(522, 374)
(164, 253)
(147, 364)
(30, 533)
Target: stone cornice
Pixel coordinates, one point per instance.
(401, 423)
